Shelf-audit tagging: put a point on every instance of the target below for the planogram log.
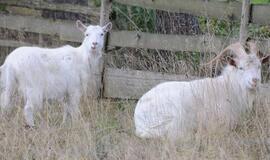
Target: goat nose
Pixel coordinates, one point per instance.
(255, 80)
(94, 43)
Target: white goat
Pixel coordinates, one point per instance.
(42, 74)
(174, 109)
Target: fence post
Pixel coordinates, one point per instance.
(105, 11)
(244, 21)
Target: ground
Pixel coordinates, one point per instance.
(106, 131)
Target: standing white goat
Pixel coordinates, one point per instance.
(41, 73)
(174, 109)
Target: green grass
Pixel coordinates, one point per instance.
(3, 7)
(133, 18)
(260, 1)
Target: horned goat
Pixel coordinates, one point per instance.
(40, 74)
(174, 109)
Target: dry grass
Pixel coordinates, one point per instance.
(106, 131)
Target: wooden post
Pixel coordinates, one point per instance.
(244, 21)
(105, 11)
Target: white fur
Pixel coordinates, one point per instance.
(176, 108)
(42, 74)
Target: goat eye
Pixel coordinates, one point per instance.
(102, 34)
(241, 68)
(87, 35)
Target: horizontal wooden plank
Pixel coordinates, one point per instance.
(11, 43)
(90, 9)
(260, 14)
(66, 30)
(230, 10)
(199, 43)
(131, 84)
(23, 11)
(15, 43)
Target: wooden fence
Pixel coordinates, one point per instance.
(34, 19)
(132, 84)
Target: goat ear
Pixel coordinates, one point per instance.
(107, 27)
(260, 55)
(265, 59)
(80, 26)
(232, 62)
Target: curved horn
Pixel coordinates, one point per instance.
(237, 49)
(253, 47)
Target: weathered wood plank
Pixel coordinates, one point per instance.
(131, 84)
(105, 11)
(260, 14)
(12, 43)
(244, 21)
(20, 43)
(23, 11)
(90, 10)
(66, 30)
(199, 43)
(49, 14)
(230, 10)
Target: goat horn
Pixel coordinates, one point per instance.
(237, 49)
(253, 48)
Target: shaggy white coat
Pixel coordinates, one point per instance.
(177, 108)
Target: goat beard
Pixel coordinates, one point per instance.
(92, 61)
(93, 52)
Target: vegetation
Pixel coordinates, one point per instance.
(106, 131)
(133, 18)
(260, 1)
(2, 7)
